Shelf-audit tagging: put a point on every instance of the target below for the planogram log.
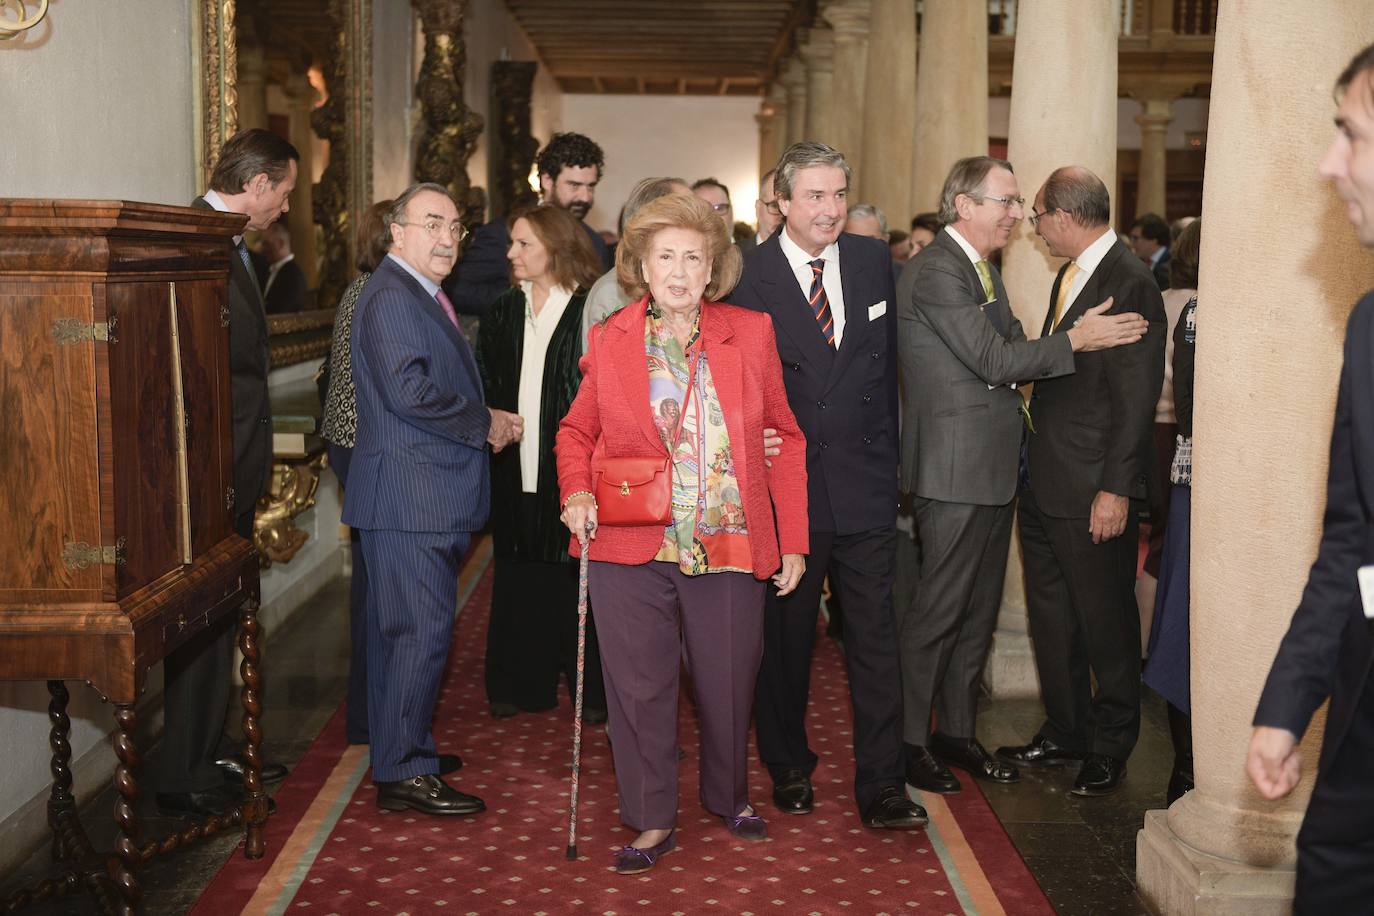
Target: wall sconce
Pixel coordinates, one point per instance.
(9, 28)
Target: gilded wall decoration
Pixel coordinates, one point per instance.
(512, 147)
(217, 104)
(448, 128)
(330, 201)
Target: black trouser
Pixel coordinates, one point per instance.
(355, 723)
(1080, 601)
(196, 700)
(861, 569)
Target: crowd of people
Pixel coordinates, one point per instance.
(726, 423)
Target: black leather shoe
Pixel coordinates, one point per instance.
(969, 754)
(1101, 775)
(209, 803)
(892, 810)
(594, 716)
(1041, 752)
(504, 710)
(792, 793)
(427, 794)
(233, 768)
(926, 773)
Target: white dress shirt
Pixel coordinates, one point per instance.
(1087, 263)
(800, 262)
(212, 198)
(538, 332)
(972, 253)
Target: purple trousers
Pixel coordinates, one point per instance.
(649, 618)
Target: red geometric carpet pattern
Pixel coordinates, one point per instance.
(330, 850)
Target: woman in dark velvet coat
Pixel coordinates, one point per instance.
(528, 347)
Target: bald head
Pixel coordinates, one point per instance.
(1079, 193)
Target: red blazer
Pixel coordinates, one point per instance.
(612, 404)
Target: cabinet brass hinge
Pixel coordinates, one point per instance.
(68, 331)
(228, 497)
(80, 555)
(224, 315)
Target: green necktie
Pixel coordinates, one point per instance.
(985, 274)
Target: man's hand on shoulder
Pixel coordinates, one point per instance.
(1100, 331)
(1108, 518)
(1273, 761)
(506, 428)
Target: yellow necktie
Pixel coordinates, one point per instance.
(1062, 299)
(985, 274)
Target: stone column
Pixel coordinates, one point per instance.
(1063, 112)
(1154, 118)
(884, 172)
(794, 80)
(252, 87)
(302, 97)
(772, 143)
(817, 53)
(1261, 431)
(850, 21)
(951, 95)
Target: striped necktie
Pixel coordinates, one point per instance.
(820, 302)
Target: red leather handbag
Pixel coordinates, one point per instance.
(638, 491)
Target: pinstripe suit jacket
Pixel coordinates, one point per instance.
(420, 461)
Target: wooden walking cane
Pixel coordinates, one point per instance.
(577, 702)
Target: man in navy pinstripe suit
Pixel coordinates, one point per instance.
(417, 490)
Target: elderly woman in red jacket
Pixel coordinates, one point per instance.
(678, 373)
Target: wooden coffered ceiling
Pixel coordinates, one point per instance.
(699, 47)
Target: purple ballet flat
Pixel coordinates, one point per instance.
(630, 860)
(747, 827)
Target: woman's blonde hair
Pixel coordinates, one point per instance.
(677, 211)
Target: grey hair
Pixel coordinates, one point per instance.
(645, 190)
(1079, 193)
(870, 210)
(397, 213)
(970, 178)
(805, 155)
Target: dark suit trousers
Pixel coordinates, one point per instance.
(196, 678)
(355, 722)
(651, 618)
(1080, 601)
(946, 631)
(412, 598)
(1336, 842)
(861, 568)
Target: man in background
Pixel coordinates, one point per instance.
(569, 170)
(281, 278)
(766, 213)
(1150, 240)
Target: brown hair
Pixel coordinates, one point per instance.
(677, 211)
(374, 237)
(250, 153)
(1184, 258)
(572, 259)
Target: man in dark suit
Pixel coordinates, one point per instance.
(281, 279)
(417, 489)
(1150, 238)
(1090, 468)
(767, 214)
(829, 295)
(1329, 646)
(255, 175)
(569, 171)
(962, 351)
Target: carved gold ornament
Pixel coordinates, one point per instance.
(11, 26)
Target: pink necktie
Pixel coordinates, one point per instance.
(448, 307)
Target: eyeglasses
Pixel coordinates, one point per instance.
(772, 207)
(720, 208)
(1006, 201)
(1035, 218)
(436, 228)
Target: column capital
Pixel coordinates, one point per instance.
(849, 19)
(777, 94)
(1156, 113)
(817, 49)
(793, 75)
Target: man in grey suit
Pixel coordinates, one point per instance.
(961, 352)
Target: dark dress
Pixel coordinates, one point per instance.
(532, 639)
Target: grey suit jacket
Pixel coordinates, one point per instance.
(961, 441)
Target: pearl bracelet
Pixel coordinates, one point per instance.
(572, 496)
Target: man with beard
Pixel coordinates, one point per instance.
(418, 487)
(569, 170)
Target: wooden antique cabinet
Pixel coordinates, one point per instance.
(116, 487)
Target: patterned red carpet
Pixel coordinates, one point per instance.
(330, 850)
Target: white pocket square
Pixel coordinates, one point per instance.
(877, 311)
